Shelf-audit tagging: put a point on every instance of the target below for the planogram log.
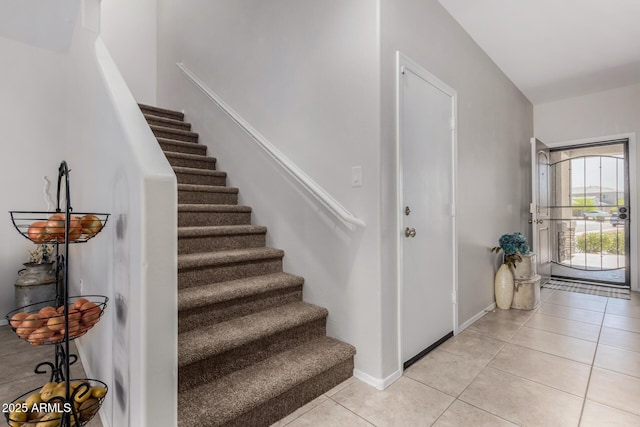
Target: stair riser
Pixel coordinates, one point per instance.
(190, 245)
(206, 163)
(194, 219)
(216, 313)
(286, 403)
(238, 358)
(170, 135)
(188, 178)
(192, 149)
(172, 125)
(166, 114)
(221, 273)
(205, 197)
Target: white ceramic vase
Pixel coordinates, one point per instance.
(503, 286)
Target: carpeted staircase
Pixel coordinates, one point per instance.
(250, 351)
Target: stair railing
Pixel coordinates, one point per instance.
(319, 193)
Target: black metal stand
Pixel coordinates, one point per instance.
(60, 367)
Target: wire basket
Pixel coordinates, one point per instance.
(49, 227)
(44, 323)
(49, 403)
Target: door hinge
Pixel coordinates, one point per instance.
(453, 297)
(453, 210)
(453, 123)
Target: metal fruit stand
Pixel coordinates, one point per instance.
(63, 401)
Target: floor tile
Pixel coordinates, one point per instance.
(493, 325)
(619, 338)
(340, 386)
(615, 390)
(512, 315)
(329, 414)
(571, 313)
(445, 371)
(553, 371)
(405, 403)
(597, 415)
(462, 414)
(629, 308)
(584, 331)
(521, 401)
(578, 300)
(618, 360)
(559, 345)
(622, 322)
(545, 293)
(473, 346)
(301, 411)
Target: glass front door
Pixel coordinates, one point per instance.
(590, 211)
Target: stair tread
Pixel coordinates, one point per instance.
(200, 157)
(162, 110)
(196, 171)
(167, 120)
(223, 400)
(227, 257)
(195, 207)
(174, 131)
(201, 296)
(220, 230)
(207, 188)
(208, 341)
(181, 143)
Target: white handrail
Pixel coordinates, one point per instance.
(318, 192)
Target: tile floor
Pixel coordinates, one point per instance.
(17, 361)
(574, 361)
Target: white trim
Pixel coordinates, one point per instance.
(477, 317)
(634, 191)
(379, 383)
(309, 184)
(403, 63)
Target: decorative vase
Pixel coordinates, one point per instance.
(525, 269)
(503, 286)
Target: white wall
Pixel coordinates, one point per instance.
(494, 126)
(602, 114)
(305, 74)
(128, 29)
(31, 113)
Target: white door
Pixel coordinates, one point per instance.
(540, 206)
(426, 172)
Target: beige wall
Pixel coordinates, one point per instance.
(305, 75)
(494, 127)
(591, 117)
(317, 80)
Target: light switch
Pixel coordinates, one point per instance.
(356, 176)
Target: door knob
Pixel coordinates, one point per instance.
(539, 221)
(530, 221)
(410, 232)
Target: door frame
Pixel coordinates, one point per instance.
(633, 193)
(403, 64)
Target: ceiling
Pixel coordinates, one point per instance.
(555, 49)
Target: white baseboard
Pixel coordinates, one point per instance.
(379, 383)
(471, 321)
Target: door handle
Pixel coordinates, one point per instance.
(410, 232)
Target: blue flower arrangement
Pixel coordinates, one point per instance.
(513, 245)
